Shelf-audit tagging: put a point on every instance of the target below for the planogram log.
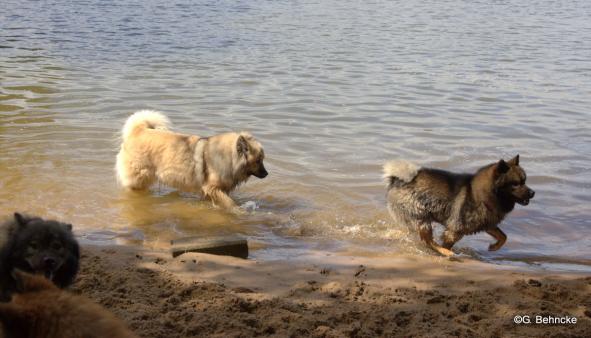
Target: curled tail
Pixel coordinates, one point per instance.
(149, 119)
(400, 170)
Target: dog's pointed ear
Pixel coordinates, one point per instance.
(514, 160)
(68, 227)
(20, 219)
(502, 167)
(241, 145)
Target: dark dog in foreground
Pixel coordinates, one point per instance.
(40, 309)
(39, 246)
(464, 203)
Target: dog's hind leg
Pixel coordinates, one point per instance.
(499, 235)
(449, 238)
(139, 180)
(426, 234)
(132, 176)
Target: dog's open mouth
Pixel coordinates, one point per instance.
(49, 274)
(524, 201)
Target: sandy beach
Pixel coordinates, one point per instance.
(198, 295)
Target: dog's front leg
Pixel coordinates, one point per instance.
(426, 234)
(499, 236)
(449, 238)
(221, 199)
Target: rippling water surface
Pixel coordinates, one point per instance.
(331, 88)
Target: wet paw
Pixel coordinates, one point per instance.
(238, 211)
(445, 252)
(495, 247)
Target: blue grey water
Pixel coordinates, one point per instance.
(332, 89)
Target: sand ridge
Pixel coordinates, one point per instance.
(198, 295)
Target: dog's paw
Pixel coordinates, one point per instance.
(494, 247)
(445, 252)
(238, 211)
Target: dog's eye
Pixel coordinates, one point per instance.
(516, 185)
(56, 246)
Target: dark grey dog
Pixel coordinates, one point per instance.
(464, 203)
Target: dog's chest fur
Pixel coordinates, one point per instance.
(463, 213)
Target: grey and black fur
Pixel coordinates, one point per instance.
(38, 246)
(464, 203)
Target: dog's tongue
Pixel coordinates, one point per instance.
(49, 275)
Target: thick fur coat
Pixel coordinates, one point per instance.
(35, 245)
(464, 203)
(41, 310)
(212, 166)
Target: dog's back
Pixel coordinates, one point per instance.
(150, 152)
(423, 193)
(40, 309)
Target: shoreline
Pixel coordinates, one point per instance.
(220, 296)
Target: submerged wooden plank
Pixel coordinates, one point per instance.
(222, 245)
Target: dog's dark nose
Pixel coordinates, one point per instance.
(261, 172)
(49, 262)
(531, 193)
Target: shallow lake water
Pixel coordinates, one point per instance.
(332, 89)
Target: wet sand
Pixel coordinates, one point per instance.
(328, 296)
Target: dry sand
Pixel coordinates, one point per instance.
(198, 295)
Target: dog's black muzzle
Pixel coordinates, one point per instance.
(261, 173)
(46, 265)
(530, 195)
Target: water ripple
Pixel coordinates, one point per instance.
(332, 89)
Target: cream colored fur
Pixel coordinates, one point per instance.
(211, 166)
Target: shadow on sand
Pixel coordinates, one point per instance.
(196, 295)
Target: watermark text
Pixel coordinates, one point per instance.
(544, 320)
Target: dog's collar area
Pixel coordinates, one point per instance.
(203, 164)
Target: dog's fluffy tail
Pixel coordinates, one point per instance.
(149, 119)
(401, 170)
